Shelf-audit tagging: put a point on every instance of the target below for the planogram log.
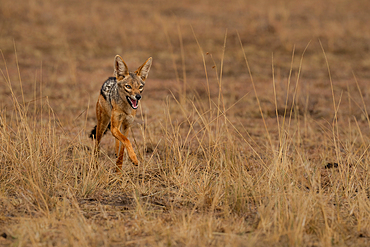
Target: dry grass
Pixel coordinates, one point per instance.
(245, 135)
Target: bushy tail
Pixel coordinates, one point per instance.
(93, 132)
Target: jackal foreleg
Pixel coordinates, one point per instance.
(116, 121)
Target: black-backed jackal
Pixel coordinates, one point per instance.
(117, 103)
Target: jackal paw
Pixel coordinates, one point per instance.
(135, 162)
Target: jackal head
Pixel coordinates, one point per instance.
(131, 84)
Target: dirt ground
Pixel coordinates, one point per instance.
(252, 131)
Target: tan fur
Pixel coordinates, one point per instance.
(113, 106)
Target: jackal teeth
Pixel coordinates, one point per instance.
(133, 103)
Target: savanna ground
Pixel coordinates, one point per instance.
(253, 129)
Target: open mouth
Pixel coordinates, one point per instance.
(133, 103)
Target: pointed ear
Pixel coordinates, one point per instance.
(143, 70)
(120, 68)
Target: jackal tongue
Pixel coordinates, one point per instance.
(133, 102)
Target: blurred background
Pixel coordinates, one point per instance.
(66, 48)
(238, 178)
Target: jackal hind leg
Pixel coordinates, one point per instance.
(102, 125)
(103, 120)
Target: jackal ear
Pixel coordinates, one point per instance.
(143, 70)
(120, 68)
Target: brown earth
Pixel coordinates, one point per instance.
(222, 164)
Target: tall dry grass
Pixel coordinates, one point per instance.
(204, 177)
(238, 145)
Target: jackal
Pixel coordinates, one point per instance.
(116, 107)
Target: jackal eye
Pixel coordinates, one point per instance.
(128, 86)
(141, 87)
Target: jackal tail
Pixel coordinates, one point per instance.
(93, 132)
